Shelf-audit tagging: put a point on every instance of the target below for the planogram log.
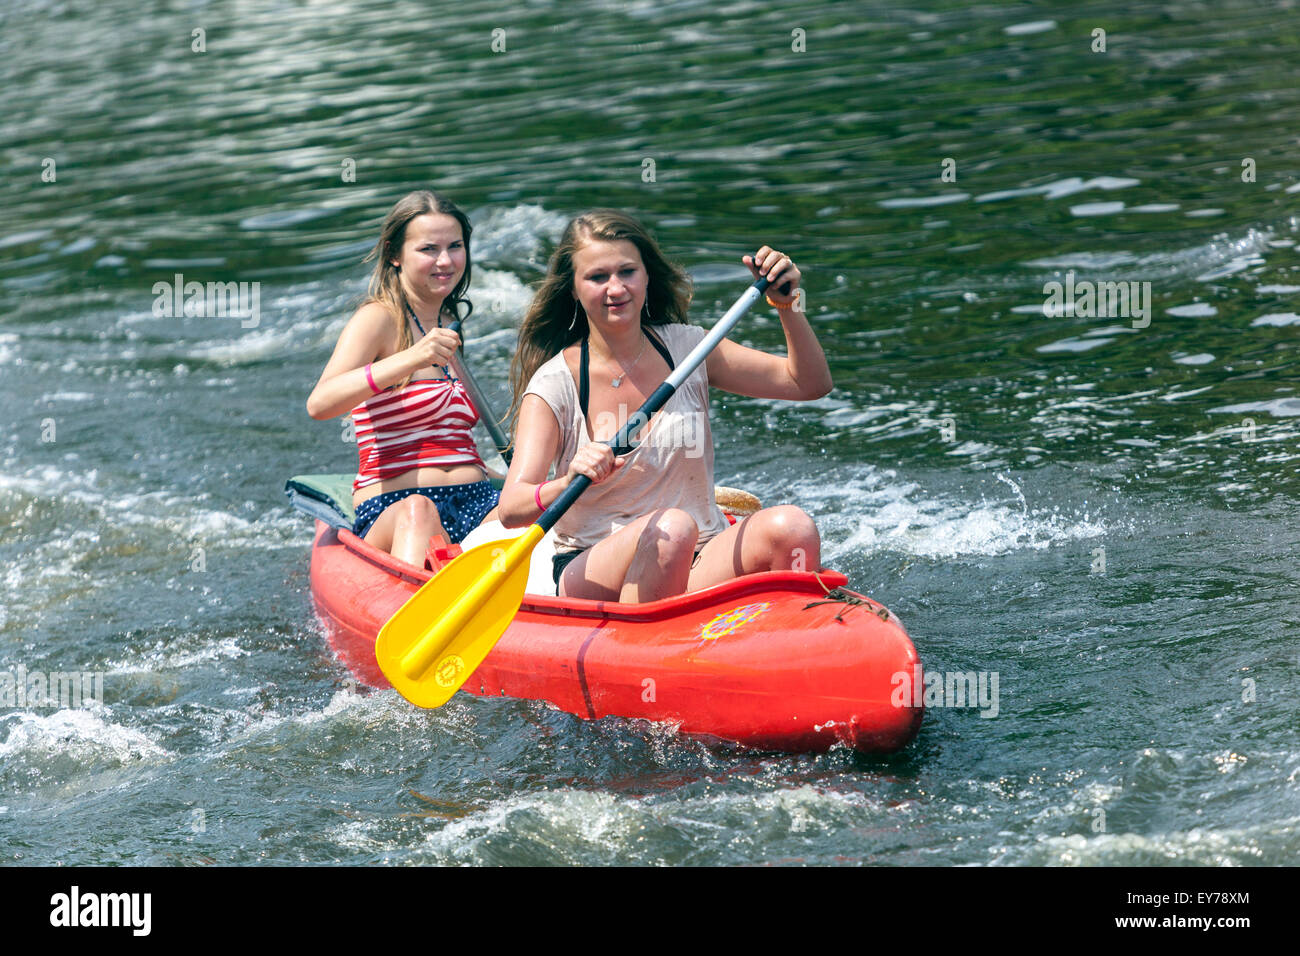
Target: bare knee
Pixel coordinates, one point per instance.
(673, 533)
(417, 511)
(792, 538)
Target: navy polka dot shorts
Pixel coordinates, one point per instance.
(461, 508)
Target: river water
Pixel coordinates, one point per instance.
(1100, 509)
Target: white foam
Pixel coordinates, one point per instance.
(1068, 187)
(181, 516)
(1280, 407)
(167, 656)
(1074, 345)
(576, 823)
(1195, 310)
(1231, 267)
(67, 397)
(499, 299)
(986, 530)
(238, 346)
(1061, 188)
(81, 735)
(1096, 208)
(21, 238)
(1222, 255)
(887, 515)
(512, 234)
(381, 711)
(1278, 318)
(583, 817)
(1025, 29)
(915, 202)
(282, 218)
(1200, 358)
(1194, 847)
(1011, 194)
(1051, 310)
(1174, 396)
(1084, 261)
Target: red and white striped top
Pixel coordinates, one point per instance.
(426, 423)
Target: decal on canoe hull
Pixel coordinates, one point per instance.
(728, 622)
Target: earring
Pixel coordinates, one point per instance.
(574, 321)
(645, 310)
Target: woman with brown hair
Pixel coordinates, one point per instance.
(604, 330)
(419, 470)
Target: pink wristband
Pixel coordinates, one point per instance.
(537, 497)
(371, 379)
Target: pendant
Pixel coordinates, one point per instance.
(618, 381)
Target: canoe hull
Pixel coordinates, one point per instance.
(747, 661)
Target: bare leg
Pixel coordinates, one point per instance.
(774, 539)
(648, 560)
(404, 529)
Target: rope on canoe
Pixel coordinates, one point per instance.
(840, 596)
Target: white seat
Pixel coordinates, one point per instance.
(541, 577)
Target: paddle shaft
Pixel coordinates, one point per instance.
(622, 442)
(478, 400)
(428, 662)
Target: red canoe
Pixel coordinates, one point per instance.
(748, 661)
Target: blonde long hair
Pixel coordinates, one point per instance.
(385, 279)
(553, 322)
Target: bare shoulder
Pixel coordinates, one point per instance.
(372, 315)
(536, 411)
(372, 323)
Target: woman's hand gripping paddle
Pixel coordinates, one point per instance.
(438, 638)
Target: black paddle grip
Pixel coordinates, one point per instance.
(764, 282)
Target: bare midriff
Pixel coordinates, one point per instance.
(425, 477)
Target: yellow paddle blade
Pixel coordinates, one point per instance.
(436, 639)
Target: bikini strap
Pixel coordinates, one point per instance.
(584, 387)
(446, 370)
(584, 382)
(660, 347)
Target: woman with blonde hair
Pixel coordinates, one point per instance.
(419, 471)
(606, 327)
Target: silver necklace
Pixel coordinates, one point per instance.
(618, 380)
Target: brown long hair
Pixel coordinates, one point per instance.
(550, 324)
(385, 279)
